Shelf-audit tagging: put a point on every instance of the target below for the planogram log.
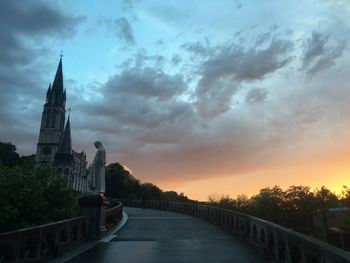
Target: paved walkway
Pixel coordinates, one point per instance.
(153, 236)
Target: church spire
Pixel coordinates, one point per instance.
(57, 85)
(66, 142)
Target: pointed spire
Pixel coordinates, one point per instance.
(66, 142)
(57, 85)
(48, 94)
(49, 89)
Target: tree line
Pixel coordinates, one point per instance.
(297, 207)
(121, 184)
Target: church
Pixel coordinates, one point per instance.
(55, 144)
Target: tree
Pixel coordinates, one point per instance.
(120, 183)
(32, 196)
(8, 154)
(242, 203)
(269, 204)
(324, 201)
(151, 191)
(299, 204)
(345, 200)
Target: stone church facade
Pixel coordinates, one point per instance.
(55, 144)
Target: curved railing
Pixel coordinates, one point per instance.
(272, 241)
(114, 215)
(45, 242)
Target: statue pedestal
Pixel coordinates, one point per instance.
(103, 218)
(94, 208)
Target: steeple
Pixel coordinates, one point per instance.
(48, 94)
(65, 146)
(58, 81)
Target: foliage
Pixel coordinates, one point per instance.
(121, 184)
(294, 207)
(325, 200)
(32, 196)
(8, 154)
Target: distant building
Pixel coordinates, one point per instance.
(55, 144)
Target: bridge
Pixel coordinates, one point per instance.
(162, 236)
(167, 232)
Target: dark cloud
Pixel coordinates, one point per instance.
(198, 48)
(122, 28)
(144, 103)
(26, 28)
(147, 82)
(320, 53)
(176, 59)
(36, 18)
(261, 39)
(256, 95)
(22, 24)
(230, 64)
(314, 47)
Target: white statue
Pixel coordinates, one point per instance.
(97, 170)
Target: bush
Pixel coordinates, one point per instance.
(33, 196)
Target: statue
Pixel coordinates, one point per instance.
(97, 171)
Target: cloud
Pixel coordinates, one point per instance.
(128, 5)
(197, 48)
(176, 59)
(229, 65)
(37, 20)
(25, 31)
(261, 39)
(122, 28)
(319, 53)
(255, 95)
(143, 102)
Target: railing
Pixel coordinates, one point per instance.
(272, 241)
(45, 242)
(114, 215)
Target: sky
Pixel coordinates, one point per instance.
(201, 97)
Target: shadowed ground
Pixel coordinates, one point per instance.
(161, 236)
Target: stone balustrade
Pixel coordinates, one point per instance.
(272, 241)
(45, 242)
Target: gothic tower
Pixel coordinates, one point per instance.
(52, 120)
(64, 161)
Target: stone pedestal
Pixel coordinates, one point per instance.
(94, 208)
(104, 206)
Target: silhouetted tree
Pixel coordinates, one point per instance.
(120, 183)
(269, 204)
(345, 200)
(242, 203)
(8, 154)
(299, 205)
(325, 200)
(151, 191)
